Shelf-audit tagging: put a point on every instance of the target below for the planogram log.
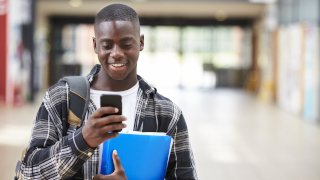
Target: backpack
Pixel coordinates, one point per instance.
(79, 91)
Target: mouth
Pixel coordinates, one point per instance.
(117, 65)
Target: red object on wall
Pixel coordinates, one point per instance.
(3, 50)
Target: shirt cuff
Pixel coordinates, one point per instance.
(79, 146)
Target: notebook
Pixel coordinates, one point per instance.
(142, 155)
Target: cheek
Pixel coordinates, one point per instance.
(102, 54)
(134, 54)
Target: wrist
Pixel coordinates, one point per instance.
(79, 146)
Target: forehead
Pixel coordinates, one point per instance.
(116, 29)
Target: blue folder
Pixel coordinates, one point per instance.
(142, 156)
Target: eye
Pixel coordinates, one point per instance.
(107, 46)
(127, 45)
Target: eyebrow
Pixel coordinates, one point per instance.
(106, 40)
(111, 40)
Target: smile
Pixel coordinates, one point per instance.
(117, 64)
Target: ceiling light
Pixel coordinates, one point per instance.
(75, 3)
(220, 15)
(139, 0)
(263, 1)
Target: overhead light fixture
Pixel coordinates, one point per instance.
(263, 1)
(139, 0)
(75, 3)
(220, 15)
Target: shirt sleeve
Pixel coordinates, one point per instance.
(181, 162)
(49, 155)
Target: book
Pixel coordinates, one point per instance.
(142, 155)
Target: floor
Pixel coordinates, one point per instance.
(233, 136)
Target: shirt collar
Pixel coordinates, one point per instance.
(147, 88)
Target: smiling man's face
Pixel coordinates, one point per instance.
(118, 44)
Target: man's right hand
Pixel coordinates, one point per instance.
(118, 173)
(96, 130)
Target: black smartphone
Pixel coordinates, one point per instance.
(111, 100)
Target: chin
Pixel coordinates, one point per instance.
(118, 78)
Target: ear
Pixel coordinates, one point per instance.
(141, 42)
(94, 45)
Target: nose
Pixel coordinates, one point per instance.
(116, 52)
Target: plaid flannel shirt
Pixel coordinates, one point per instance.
(53, 156)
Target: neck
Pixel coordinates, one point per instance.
(103, 82)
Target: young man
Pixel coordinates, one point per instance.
(117, 43)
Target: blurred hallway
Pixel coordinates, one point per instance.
(233, 136)
(269, 48)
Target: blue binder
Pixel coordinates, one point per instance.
(142, 156)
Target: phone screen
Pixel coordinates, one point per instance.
(113, 101)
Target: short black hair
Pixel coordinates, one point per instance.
(116, 12)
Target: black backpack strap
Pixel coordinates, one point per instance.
(78, 101)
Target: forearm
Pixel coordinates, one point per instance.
(49, 154)
(59, 161)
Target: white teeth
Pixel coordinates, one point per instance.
(117, 65)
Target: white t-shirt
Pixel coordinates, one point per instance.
(129, 98)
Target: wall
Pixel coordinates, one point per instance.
(3, 49)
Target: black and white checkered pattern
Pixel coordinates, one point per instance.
(52, 156)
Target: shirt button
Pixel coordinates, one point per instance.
(89, 153)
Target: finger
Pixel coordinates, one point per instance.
(97, 177)
(111, 119)
(105, 177)
(116, 161)
(102, 177)
(104, 110)
(101, 122)
(112, 127)
(108, 136)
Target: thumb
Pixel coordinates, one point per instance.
(116, 161)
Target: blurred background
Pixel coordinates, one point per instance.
(244, 72)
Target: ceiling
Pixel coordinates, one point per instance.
(176, 8)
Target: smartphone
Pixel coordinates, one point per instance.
(111, 100)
